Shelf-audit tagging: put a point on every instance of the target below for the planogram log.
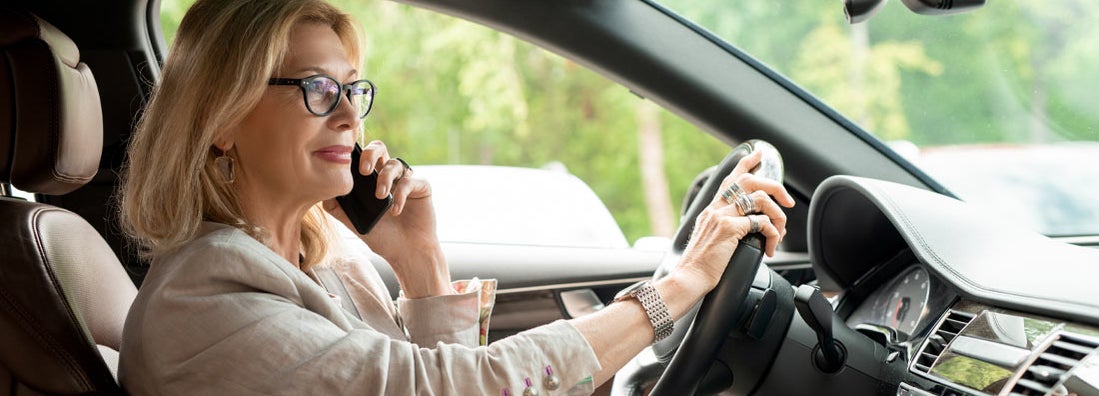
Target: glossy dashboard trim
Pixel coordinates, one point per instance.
(1005, 345)
(577, 285)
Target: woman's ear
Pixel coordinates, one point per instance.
(225, 140)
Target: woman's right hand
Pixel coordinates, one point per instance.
(717, 233)
(405, 236)
(720, 227)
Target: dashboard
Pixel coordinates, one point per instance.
(955, 346)
(967, 305)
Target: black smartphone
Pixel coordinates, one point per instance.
(361, 206)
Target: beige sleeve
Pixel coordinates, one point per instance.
(233, 321)
(451, 319)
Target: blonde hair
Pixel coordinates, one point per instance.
(215, 74)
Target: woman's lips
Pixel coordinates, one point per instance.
(337, 154)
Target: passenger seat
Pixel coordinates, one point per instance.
(63, 293)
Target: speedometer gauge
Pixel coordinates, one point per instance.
(905, 302)
(900, 304)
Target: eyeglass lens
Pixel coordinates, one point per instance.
(323, 95)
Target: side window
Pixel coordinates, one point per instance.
(23, 194)
(522, 146)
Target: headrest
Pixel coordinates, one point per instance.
(51, 123)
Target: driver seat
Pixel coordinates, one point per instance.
(63, 293)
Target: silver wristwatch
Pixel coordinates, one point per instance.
(653, 304)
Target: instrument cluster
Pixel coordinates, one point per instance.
(905, 304)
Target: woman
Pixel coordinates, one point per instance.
(230, 185)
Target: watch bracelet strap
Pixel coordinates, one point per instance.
(656, 310)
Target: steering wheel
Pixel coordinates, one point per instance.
(717, 314)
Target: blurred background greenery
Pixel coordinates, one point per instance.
(450, 91)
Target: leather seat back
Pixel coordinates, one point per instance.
(63, 293)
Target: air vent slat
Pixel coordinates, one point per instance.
(947, 330)
(1054, 364)
(1081, 349)
(1069, 362)
(968, 316)
(1032, 386)
(1080, 339)
(1047, 373)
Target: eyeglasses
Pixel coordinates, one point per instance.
(322, 93)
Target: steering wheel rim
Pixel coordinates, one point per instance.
(717, 314)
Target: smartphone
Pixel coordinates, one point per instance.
(360, 205)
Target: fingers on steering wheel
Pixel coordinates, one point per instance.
(764, 204)
(773, 188)
(742, 168)
(742, 225)
(745, 165)
(768, 230)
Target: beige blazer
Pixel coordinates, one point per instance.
(224, 314)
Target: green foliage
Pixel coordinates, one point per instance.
(973, 373)
(972, 78)
(450, 91)
(171, 14)
(872, 94)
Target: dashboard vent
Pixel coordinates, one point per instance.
(953, 324)
(1051, 367)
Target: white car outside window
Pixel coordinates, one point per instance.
(518, 206)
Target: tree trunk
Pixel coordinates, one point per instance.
(1039, 131)
(485, 153)
(860, 51)
(654, 182)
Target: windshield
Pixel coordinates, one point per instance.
(998, 104)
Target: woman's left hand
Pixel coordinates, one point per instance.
(405, 236)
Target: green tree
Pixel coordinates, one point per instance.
(859, 77)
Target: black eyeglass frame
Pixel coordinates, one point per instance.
(345, 90)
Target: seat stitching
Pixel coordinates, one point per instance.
(9, 167)
(55, 123)
(68, 359)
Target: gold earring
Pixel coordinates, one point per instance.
(226, 165)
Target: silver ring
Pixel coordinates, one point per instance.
(756, 226)
(405, 169)
(727, 195)
(736, 189)
(733, 193)
(745, 204)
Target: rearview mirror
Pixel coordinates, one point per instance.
(860, 10)
(942, 7)
(857, 11)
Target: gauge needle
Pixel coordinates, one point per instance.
(901, 311)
